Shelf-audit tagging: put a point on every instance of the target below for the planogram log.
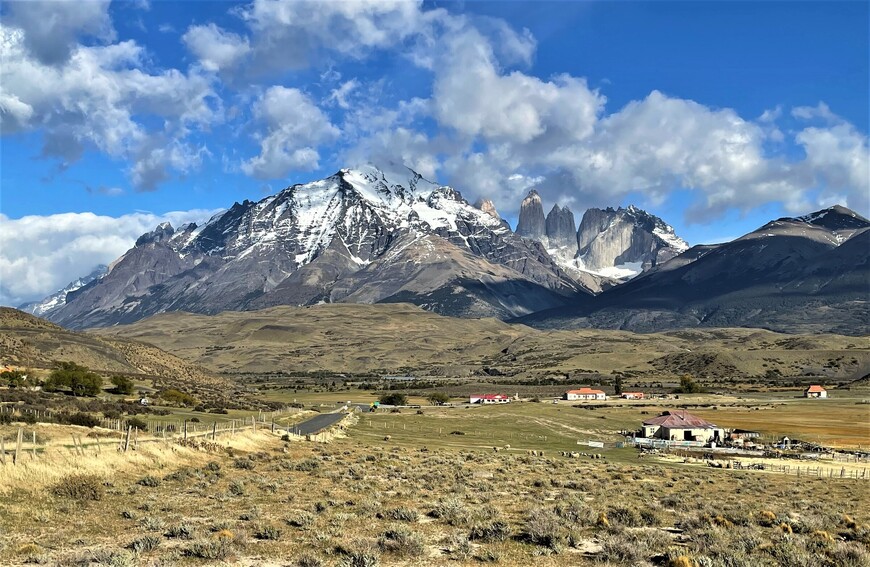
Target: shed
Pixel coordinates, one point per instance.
(815, 391)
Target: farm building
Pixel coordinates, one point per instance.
(585, 394)
(815, 391)
(489, 399)
(678, 425)
(631, 395)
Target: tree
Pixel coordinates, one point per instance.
(78, 379)
(438, 398)
(178, 398)
(394, 399)
(12, 378)
(123, 385)
(689, 386)
(617, 385)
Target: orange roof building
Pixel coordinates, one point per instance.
(585, 394)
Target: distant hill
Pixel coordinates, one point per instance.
(401, 339)
(26, 340)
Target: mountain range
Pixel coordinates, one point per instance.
(802, 274)
(371, 235)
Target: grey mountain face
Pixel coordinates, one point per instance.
(531, 223)
(560, 228)
(625, 237)
(610, 246)
(804, 274)
(57, 299)
(359, 235)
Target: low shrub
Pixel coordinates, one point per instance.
(81, 487)
(401, 541)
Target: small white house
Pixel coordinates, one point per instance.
(815, 391)
(585, 394)
(489, 399)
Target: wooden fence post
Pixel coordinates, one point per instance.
(17, 447)
(33, 448)
(2, 451)
(185, 430)
(127, 440)
(213, 430)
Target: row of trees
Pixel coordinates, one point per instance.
(69, 376)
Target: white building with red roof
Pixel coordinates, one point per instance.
(680, 425)
(585, 394)
(488, 399)
(815, 391)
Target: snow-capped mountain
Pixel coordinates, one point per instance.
(57, 299)
(348, 237)
(802, 274)
(612, 244)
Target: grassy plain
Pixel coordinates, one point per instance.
(359, 500)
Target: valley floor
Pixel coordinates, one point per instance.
(415, 488)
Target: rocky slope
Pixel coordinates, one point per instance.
(804, 274)
(57, 299)
(355, 236)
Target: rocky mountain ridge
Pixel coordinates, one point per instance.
(794, 274)
(57, 299)
(615, 244)
(358, 235)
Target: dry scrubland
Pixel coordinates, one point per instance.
(422, 498)
(398, 338)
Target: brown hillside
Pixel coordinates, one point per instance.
(401, 338)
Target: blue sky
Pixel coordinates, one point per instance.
(717, 116)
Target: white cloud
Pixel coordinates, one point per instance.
(101, 97)
(215, 48)
(291, 34)
(295, 126)
(340, 96)
(820, 111)
(51, 28)
(839, 159)
(41, 254)
(472, 96)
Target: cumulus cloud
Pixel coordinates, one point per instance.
(473, 97)
(291, 34)
(51, 28)
(295, 126)
(101, 98)
(41, 254)
(215, 48)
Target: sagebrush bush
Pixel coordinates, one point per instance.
(80, 487)
(144, 544)
(401, 541)
(543, 527)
